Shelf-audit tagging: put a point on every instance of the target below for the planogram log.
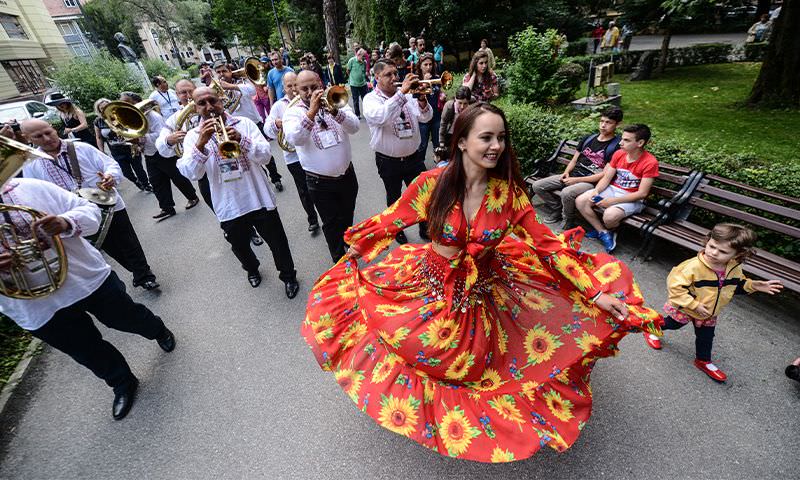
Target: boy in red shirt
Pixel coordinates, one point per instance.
(626, 182)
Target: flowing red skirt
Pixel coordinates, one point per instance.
(496, 379)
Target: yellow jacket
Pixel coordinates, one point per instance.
(694, 282)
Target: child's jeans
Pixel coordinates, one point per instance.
(704, 337)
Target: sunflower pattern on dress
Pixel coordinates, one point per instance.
(486, 355)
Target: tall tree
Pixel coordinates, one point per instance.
(331, 26)
(104, 18)
(251, 21)
(778, 83)
(161, 13)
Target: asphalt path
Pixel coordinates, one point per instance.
(242, 397)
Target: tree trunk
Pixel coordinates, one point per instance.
(778, 83)
(331, 27)
(662, 59)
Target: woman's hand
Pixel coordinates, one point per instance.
(353, 252)
(614, 306)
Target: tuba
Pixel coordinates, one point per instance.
(253, 71)
(184, 121)
(129, 121)
(39, 264)
(286, 146)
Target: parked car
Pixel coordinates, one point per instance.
(27, 109)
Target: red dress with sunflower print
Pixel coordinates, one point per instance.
(484, 356)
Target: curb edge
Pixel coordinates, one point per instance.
(19, 372)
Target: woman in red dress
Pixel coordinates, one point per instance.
(480, 344)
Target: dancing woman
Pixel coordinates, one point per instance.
(480, 344)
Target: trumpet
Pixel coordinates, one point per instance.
(425, 87)
(335, 98)
(227, 148)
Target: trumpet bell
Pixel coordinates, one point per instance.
(446, 79)
(336, 97)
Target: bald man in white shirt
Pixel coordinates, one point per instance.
(61, 319)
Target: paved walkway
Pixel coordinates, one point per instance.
(241, 396)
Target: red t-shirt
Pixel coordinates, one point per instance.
(630, 175)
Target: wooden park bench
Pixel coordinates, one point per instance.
(738, 203)
(671, 191)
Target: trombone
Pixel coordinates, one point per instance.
(129, 121)
(425, 87)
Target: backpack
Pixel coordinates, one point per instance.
(610, 148)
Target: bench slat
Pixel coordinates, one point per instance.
(749, 188)
(750, 201)
(745, 216)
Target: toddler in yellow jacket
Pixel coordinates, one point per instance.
(700, 287)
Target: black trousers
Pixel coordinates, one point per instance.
(396, 171)
(205, 191)
(72, 331)
(271, 167)
(162, 171)
(358, 98)
(122, 244)
(335, 199)
(299, 176)
(268, 224)
(131, 165)
(703, 338)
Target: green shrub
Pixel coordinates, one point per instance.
(534, 63)
(193, 71)
(568, 77)
(577, 47)
(156, 66)
(86, 80)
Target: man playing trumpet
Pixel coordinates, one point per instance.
(227, 149)
(272, 127)
(76, 165)
(321, 138)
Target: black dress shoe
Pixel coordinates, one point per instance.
(192, 203)
(164, 214)
(401, 238)
(255, 239)
(124, 401)
(313, 227)
(150, 285)
(278, 186)
(254, 278)
(292, 287)
(166, 340)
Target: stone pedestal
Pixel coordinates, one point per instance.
(138, 70)
(590, 102)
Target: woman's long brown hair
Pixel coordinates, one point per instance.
(452, 182)
(473, 69)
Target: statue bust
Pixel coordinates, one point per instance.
(128, 55)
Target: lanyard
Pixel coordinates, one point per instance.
(167, 98)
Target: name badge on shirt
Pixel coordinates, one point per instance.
(229, 170)
(328, 138)
(402, 128)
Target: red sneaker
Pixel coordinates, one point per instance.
(652, 341)
(711, 370)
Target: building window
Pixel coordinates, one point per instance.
(79, 50)
(12, 26)
(66, 29)
(26, 76)
(71, 3)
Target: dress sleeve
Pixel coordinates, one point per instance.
(375, 234)
(555, 251)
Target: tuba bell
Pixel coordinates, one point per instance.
(39, 263)
(285, 145)
(253, 71)
(129, 121)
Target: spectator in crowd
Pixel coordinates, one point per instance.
(261, 98)
(481, 79)
(626, 182)
(395, 55)
(488, 51)
(583, 172)
(275, 77)
(450, 113)
(164, 96)
(312, 64)
(759, 32)
(357, 79)
(438, 56)
(610, 37)
(374, 58)
(332, 75)
(303, 64)
(284, 57)
(429, 131)
(627, 37)
(597, 36)
(73, 117)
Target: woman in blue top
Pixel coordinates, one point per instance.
(438, 56)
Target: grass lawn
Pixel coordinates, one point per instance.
(13, 343)
(700, 104)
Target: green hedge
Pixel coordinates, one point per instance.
(577, 48)
(86, 80)
(536, 133)
(700, 54)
